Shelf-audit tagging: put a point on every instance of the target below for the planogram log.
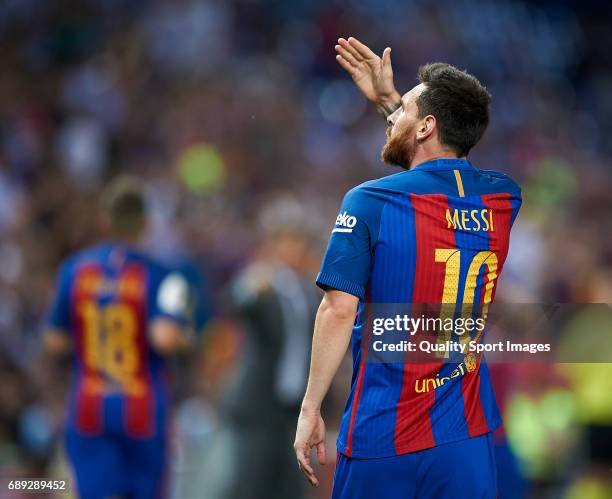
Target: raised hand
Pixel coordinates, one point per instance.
(373, 75)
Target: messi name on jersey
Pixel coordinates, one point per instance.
(475, 220)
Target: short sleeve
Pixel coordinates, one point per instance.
(58, 316)
(516, 201)
(171, 299)
(347, 261)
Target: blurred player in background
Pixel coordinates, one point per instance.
(119, 313)
(276, 303)
(435, 233)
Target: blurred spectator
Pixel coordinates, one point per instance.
(276, 303)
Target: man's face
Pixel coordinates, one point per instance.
(290, 247)
(401, 131)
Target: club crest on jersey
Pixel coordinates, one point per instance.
(471, 363)
(345, 223)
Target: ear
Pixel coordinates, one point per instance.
(426, 127)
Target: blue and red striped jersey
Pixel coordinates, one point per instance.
(105, 299)
(435, 234)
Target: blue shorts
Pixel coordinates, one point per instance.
(117, 466)
(511, 483)
(459, 469)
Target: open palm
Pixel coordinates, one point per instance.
(373, 75)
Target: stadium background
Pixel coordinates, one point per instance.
(233, 113)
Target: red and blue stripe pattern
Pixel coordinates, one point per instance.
(385, 414)
(120, 384)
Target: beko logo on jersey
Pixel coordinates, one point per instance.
(345, 223)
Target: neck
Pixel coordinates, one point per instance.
(423, 156)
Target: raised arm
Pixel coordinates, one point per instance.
(373, 75)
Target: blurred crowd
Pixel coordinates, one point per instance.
(237, 120)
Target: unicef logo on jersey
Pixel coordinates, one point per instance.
(345, 223)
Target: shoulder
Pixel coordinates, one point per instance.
(366, 201)
(397, 184)
(79, 258)
(151, 263)
(159, 274)
(503, 180)
(393, 183)
(363, 202)
(380, 189)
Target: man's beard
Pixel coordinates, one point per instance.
(399, 150)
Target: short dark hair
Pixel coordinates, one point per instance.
(123, 203)
(459, 102)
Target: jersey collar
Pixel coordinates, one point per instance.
(445, 164)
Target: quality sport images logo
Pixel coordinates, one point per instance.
(345, 223)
